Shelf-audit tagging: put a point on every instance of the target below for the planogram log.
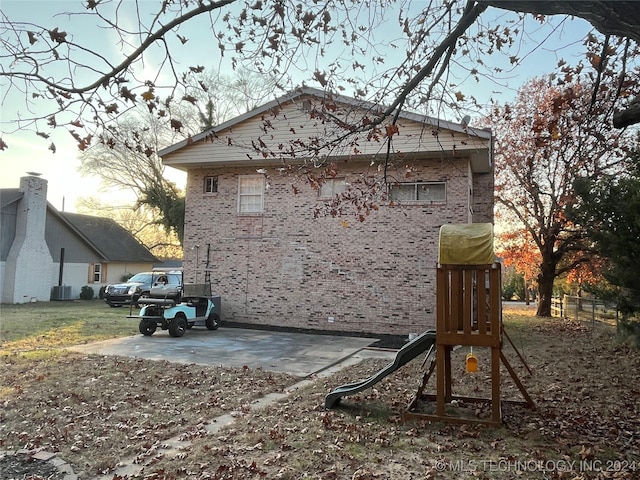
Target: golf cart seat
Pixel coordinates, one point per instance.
(163, 302)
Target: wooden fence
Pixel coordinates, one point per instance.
(582, 308)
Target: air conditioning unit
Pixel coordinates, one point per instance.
(61, 292)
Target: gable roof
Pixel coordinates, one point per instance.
(9, 196)
(107, 237)
(349, 101)
(109, 240)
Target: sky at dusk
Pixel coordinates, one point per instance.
(27, 152)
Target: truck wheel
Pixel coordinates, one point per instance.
(141, 297)
(147, 327)
(213, 321)
(178, 326)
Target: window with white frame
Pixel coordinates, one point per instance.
(427, 192)
(97, 272)
(210, 184)
(250, 193)
(331, 187)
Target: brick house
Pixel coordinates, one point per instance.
(252, 207)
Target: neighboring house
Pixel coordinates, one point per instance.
(49, 254)
(275, 262)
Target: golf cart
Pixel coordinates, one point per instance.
(196, 308)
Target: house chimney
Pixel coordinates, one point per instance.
(29, 261)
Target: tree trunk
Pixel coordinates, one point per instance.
(545, 290)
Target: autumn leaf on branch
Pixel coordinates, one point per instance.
(176, 125)
(148, 95)
(191, 99)
(57, 36)
(321, 77)
(127, 94)
(391, 130)
(112, 108)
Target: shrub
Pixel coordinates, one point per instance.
(629, 331)
(101, 292)
(86, 293)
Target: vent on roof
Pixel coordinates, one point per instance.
(61, 292)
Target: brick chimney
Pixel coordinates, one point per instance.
(29, 261)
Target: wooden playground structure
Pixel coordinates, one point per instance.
(468, 314)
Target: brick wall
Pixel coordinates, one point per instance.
(287, 268)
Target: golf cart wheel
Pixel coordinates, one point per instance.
(213, 321)
(147, 327)
(178, 326)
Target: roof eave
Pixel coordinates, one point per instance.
(434, 122)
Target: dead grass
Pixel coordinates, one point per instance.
(96, 410)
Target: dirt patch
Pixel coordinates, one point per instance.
(21, 467)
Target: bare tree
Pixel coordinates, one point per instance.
(124, 155)
(140, 222)
(67, 84)
(220, 97)
(125, 158)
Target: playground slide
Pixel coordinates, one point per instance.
(407, 353)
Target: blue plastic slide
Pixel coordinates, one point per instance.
(407, 353)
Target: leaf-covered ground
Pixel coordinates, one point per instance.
(96, 410)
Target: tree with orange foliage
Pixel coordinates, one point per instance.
(549, 136)
(519, 251)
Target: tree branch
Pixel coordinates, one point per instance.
(115, 71)
(609, 17)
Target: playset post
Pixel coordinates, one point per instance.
(468, 314)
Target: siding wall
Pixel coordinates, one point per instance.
(292, 131)
(287, 268)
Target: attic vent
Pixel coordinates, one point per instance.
(61, 292)
(306, 105)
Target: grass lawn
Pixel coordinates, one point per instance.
(96, 410)
(46, 325)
